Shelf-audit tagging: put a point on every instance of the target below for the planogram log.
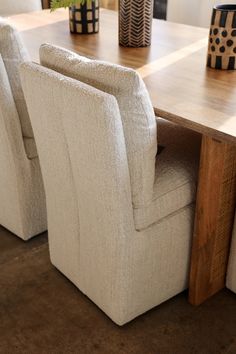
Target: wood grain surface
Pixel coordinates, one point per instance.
(215, 210)
(174, 69)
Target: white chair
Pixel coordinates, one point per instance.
(11, 7)
(96, 174)
(231, 274)
(23, 206)
(148, 190)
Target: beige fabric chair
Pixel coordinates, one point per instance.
(154, 195)
(11, 7)
(93, 239)
(231, 274)
(23, 207)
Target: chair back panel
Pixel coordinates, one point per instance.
(135, 108)
(82, 152)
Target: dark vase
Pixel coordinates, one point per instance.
(135, 23)
(222, 38)
(84, 19)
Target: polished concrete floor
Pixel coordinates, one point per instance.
(42, 312)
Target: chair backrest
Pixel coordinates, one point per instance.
(14, 53)
(135, 108)
(80, 141)
(11, 7)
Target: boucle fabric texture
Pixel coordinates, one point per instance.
(92, 237)
(13, 54)
(136, 111)
(231, 274)
(23, 207)
(156, 193)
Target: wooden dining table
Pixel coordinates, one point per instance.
(184, 91)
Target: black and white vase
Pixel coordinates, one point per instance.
(135, 23)
(222, 38)
(84, 19)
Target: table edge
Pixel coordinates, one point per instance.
(199, 128)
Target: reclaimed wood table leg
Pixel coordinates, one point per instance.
(46, 4)
(215, 208)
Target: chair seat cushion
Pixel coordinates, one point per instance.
(176, 174)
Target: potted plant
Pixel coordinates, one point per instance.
(83, 14)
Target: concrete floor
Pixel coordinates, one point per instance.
(42, 312)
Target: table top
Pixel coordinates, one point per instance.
(174, 69)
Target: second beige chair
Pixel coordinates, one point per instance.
(23, 206)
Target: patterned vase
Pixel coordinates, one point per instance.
(135, 22)
(222, 38)
(84, 19)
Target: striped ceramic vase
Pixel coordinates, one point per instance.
(135, 22)
(84, 19)
(222, 38)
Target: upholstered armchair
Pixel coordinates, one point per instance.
(120, 213)
(23, 207)
(231, 274)
(11, 7)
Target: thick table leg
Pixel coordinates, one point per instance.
(215, 207)
(46, 4)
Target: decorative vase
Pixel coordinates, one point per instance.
(222, 38)
(135, 22)
(84, 19)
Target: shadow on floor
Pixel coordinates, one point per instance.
(42, 312)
